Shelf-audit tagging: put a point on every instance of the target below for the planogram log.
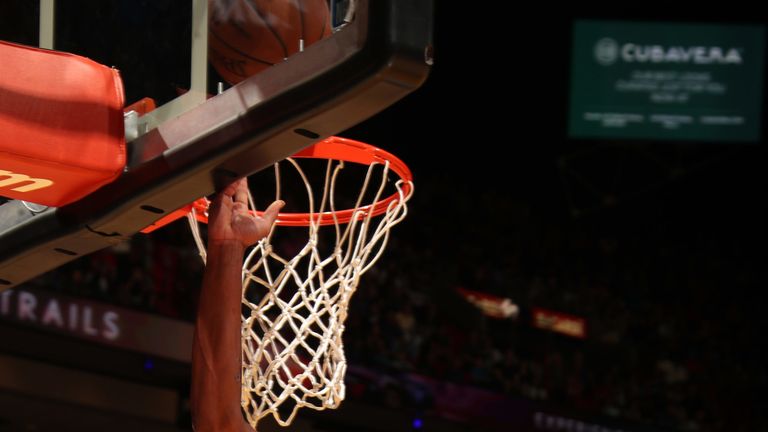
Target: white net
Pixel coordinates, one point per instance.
(294, 308)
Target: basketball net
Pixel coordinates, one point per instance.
(295, 307)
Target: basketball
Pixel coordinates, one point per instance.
(248, 36)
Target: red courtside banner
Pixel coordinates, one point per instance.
(61, 125)
(491, 305)
(569, 325)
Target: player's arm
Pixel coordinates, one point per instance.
(216, 349)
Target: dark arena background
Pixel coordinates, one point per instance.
(552, 275)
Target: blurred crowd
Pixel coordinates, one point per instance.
(669, 302)
(668, 310)
(159, 273)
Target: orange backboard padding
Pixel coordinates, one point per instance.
(61, 125)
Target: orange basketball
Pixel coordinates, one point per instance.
(248, 36)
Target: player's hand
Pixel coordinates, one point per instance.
(229, 220)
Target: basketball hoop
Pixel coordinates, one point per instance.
(293, 355)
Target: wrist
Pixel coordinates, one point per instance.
(228, 247)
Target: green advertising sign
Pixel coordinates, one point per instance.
(666, 81)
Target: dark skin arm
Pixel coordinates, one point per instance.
(216, 349)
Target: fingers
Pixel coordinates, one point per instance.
(239, 207)
(241, 191)
(229, 192)
(220, 209)
(270, 214)
(231, 188)
(237, 191)
(214, 208)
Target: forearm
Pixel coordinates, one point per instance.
(216, 362)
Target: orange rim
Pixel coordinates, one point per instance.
(348, 150)
(334, 148)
